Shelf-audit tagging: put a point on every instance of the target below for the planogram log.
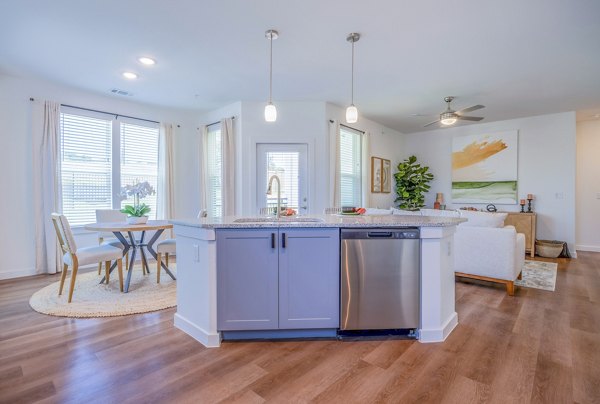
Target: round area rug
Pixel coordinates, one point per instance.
(92, 299)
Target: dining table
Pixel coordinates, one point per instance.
(119, 229)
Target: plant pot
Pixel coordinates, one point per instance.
(137, 219)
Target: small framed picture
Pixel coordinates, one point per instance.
(376, 175)
(386, 176)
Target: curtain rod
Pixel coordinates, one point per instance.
(214, 123)
(107, 113)
(346, 126)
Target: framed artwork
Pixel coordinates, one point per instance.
(376, 175)
(484, 168)
(386, 176)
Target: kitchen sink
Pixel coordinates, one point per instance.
(263, 219)
(301, 219)
(255, 220)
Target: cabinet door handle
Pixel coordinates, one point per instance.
(272, 240)
(282, 240)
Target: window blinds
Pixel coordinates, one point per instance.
(88, 171)
(350, 167)
(214, 165)
(286, 165)
(139, 160)
(85, 167)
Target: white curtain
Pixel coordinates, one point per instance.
(166, 158)
(366, 170)
(228, 179)
(334, 165)
(203, 168)
(47, 191)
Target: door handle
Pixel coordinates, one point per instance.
(283, 237)
(272, 240)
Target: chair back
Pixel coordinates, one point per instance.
(64, 234)
(332, 211)
(109, 216)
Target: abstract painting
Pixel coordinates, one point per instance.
(386, 172)
(484, 168)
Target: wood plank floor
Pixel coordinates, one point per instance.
(538, 347)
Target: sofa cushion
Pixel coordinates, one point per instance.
(376, 211)
(440, 213)
(406, 212)
(482, 219)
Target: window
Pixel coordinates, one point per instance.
(214, 167)
(350, 166)
(91, 176)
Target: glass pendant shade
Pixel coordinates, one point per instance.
(448, 121)
(351, 114)
(270, 113)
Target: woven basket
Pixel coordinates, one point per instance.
(549, 248)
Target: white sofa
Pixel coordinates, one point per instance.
(484, 248)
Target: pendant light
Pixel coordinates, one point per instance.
(351, 111)
(270, 110)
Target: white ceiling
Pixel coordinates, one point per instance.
(519, 58)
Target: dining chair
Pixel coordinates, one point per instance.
(332, 211)
(75, 257)
(169, 246)
(270, 211)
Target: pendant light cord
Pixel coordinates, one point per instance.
(271, 68)
(352, 86)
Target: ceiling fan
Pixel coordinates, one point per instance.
(449, 116)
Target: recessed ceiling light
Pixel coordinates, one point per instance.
(147, 61)
(130, 75)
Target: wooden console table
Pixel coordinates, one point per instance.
(524, 223)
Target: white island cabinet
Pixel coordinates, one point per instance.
(277, 279)
(244, 279)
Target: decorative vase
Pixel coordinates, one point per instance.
(137, 219)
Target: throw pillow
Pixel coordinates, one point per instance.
(482, 219)
(440, 213)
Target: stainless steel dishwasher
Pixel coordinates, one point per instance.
(380, 279)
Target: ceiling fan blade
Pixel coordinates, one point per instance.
(470, 118)
(470, 109)
(431, 123)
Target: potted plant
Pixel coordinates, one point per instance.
(137, 213)
(411, 183)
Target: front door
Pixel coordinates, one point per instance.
(289, 162)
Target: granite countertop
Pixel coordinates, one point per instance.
(313, 221)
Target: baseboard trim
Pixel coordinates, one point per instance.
(207, 339)
(17, 274)
(592, 248)
(439, 334)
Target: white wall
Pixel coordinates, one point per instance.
(588, 185)
(547, 155)
(17, 228)
(385, 143)
(297, 122)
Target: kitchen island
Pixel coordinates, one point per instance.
(226, 265)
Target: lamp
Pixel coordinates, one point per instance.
(352, 111)
(270, 110)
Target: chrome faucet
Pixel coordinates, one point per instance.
(269, 192)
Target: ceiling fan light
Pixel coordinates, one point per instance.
(351, 114)
(270, 113)
(448, 118)
(448, 121)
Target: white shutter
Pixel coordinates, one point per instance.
(214, 165)
(85, 167)
(286, 165)
(139, 160)
(350, 167)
